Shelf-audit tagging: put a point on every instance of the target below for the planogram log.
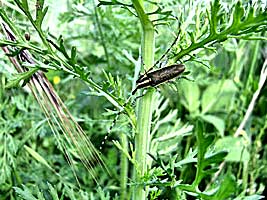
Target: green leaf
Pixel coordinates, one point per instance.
(73, 54)
(38, 157)
(215, 8)
(107, 3)
(250, 15)
(19, 77)
(62, 47)
(237, 148)
(218, 96)
(215, 158)
(191, 96)
(113, 3)
(190, 158)
(205, 142)
(26, 193)
(227, 187)
(53, 192)
(24, 4)
(217, 122)
(237, 15)
(39, 7)
(15, 52)
(40, 12)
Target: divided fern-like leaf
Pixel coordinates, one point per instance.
(244, 24)
(40, 13)
(25, 76)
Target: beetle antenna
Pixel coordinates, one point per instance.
(168, 50)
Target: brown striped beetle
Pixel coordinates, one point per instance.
(154, 78)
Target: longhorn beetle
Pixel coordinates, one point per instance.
(154, 78)
(151, 79)
(159, 76)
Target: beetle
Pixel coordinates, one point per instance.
(156, 77)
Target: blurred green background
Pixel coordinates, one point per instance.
(218, 90)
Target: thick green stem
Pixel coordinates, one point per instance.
(144, 114)
(124, 168)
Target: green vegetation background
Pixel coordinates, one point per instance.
(194, 121)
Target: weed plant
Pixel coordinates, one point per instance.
(201, 136)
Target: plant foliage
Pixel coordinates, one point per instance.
(200, 137)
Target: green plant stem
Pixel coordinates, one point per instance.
(200, 155)
(253, 65)
(101, 34)
(144, 113)
(194, 46)
(124, 168)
